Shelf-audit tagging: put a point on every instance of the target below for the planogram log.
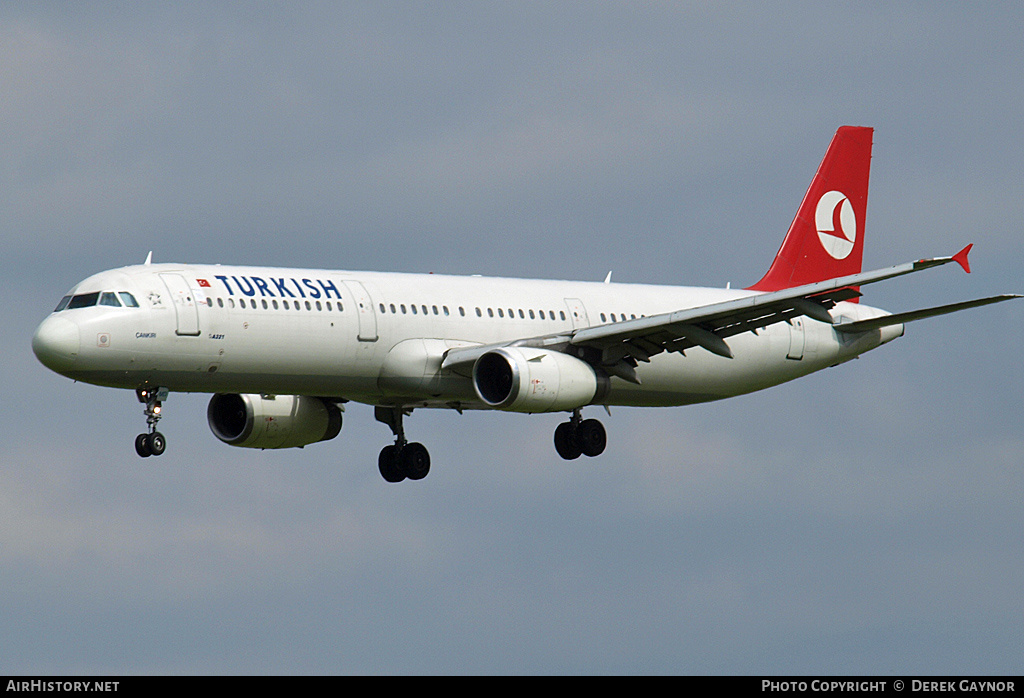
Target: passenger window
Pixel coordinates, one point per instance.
(85, 300)
(501, 313)
(129, 300)
(532, 317)
(220, 302)
(413, 309)
(264, 303)
(392, 306)
(63, 304)
(541, 314)
(382, 309)
(434, 308)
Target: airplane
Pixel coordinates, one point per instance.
(283, 350)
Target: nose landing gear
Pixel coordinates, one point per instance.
(152, 443)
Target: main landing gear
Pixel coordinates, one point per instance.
(579, 437)
(152, 443)
(401, 460)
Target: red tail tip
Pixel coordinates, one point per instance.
(961, 258)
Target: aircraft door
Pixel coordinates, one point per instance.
(184, 304)
(577, 313)
(364, 311)
(796, 339)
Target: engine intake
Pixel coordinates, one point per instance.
(526, 379)
(278, 421)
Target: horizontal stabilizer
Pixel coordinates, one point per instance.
(899, 318)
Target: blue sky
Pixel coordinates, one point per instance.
(862, 520)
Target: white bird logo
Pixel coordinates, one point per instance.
(836, 223)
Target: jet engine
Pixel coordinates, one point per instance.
(526, 379)
(272, 421)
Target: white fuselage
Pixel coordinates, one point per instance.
(379, 338)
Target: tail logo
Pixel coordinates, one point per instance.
(836, 223)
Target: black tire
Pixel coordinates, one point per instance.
(591, 437)
(387, 462)
(142, 445)
(157, 443)
(565, 441)
(415, 461)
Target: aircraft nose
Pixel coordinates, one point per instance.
(56, 343)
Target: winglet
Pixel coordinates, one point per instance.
(961, 258)
(149, 258)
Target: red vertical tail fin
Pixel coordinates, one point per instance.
(826, 238)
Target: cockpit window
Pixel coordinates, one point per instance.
(85, 300)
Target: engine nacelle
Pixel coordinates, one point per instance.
(526, 379)
(278, 421)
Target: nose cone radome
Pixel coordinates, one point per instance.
(56, 343)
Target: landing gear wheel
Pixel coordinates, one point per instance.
(388, 464)
(591, 437)
(152, 444)
(156, 443)
(415, 461)
(565, 441)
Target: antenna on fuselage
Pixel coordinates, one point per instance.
(149, 258)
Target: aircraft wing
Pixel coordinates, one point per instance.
(623, 344)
